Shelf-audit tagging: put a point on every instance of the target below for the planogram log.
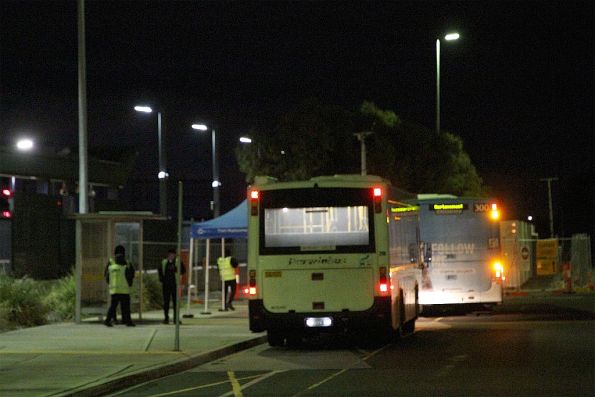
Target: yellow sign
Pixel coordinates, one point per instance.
(442, 207)
(546, 257)
(404, 209)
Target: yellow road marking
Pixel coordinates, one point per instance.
(171, 393)
(315, 385)
(235, 385)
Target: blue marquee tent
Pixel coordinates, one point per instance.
(232, 224)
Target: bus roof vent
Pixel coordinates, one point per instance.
(434, 196)
(264, 180)
(347, 177)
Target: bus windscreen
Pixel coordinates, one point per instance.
(337, 220)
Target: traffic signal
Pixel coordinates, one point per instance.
(5, 203)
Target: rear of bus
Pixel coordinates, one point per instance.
(461, 252)
(312, 260)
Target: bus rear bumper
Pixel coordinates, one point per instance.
(491, 296)
(376, 317)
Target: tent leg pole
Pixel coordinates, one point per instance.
(208, 247)
(222, 281)
(189, 279)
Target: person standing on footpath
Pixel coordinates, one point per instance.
(227, 270)
(167, 277)
(119, 274)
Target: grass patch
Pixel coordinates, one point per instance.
(21, 303)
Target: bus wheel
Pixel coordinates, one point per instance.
(408, 327)
(275, 338)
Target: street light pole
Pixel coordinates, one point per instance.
(215, 184)
(162, 174)
(437, 86)
(549, 200)
(82, 106)
(361, 136)
(448, 37)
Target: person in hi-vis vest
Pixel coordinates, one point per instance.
(167, 276)
(227, 270)
(119, 274)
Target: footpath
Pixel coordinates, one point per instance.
(90, 359)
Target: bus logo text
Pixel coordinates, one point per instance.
(321, 260)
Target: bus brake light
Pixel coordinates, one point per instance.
(494, 213)
(6, 214)
(377, 194)
(498, 270)
(251, 290)
(382, 280)
(6, 192)
(254, 196)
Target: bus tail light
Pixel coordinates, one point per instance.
(377, 193)
(382, 280)
(494, 212)
(6, 214)
(498, 271)
(254, 196)
(251, 283)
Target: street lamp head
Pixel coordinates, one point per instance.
(199, 127)
(452, 36)
(245, 139)
(144, 109)
(24, 144)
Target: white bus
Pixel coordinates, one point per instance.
(326, 256)
(460, 239)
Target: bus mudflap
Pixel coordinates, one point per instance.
(256, 315)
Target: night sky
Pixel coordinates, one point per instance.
(517, 87)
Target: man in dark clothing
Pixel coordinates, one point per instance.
(167, 276)
(119, 274)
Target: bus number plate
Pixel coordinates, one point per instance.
(319, 322)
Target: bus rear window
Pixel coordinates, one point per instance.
(302, 222)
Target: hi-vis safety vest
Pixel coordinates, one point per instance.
(164, 265)
(226, 271)
(117, 278)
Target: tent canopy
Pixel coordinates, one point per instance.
(232, 224)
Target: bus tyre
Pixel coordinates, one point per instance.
(275, 338)
(408, 327)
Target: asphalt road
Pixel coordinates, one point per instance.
(471, 355)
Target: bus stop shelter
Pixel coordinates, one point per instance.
(97, 234)
(232, 224)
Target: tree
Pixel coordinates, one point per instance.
(314, 139)
(317, 139)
